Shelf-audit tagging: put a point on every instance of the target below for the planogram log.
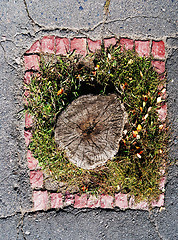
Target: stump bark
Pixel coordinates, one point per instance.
(90, 128)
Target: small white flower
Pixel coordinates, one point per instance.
(149, 109)
(141, 74)
(138, 137)
(138, 155)
(130, 61)
(125, 132)
(158, 99)
(109, 55)
(161, 126)
(164, 90)
(145, 117)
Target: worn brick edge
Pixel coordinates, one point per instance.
(43, 199)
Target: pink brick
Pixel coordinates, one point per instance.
(32, 162)
(80, 201)
(62, 46)
(56, 200)
(25, 102)
(158, 66)
(162, 76)
(94, 45)
(28, 120)
(107, 201)
(35, 48)
(158, 49)
(79, 44)
(163, 169)
(143, 205)
(27, 77)
(159, 202)
(40, 200)
(28, 136)
(162, 112)
(121, 200)
(48, 44)
(142, 48)
(109, 41)
(126, 43)
(32, 62)
(69, 199)
(162, 183)
(93, 202)
(26, 93)
(164, 95)
(36, 179)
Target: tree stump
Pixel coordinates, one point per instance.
(90, 128)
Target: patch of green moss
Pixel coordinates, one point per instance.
(136, 168)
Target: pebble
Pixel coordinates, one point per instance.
(15, 186)
(27, 233)
(162, 209)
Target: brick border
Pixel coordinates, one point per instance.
(43, 199)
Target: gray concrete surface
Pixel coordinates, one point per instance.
(21, 23)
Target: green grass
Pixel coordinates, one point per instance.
(142, 152)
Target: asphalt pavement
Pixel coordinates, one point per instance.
(22, 22)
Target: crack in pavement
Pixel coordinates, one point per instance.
(138, 16)
(9, 216)
(155, 225)
(5, 56)
(69, 210)
(20, 225)
(84, 30)
(29, 16)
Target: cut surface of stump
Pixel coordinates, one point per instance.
(90, 128)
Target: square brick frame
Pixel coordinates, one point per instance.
(43, 199)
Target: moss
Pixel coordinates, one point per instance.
(136, 168)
